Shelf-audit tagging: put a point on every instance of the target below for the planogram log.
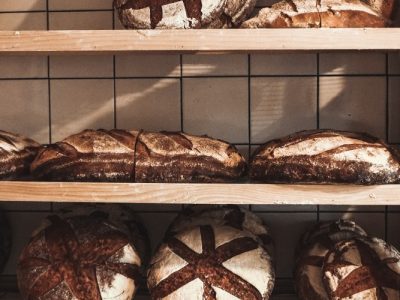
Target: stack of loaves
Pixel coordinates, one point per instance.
(146, 14)
(214, 253)
(338, 261)
(90, 252)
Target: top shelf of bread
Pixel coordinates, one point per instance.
(198, 40)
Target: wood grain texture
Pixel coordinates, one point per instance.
(274, 194)
(193, 41)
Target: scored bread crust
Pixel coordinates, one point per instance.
(321, 13)
(362, 268)
(123, 156)
(326, 156)
(16, 154)
(310, 254)
(169, 14)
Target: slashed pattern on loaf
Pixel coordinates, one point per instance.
(363, 268)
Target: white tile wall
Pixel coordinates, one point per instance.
(217, 98)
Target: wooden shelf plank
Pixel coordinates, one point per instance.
(206, 40)
(200, 193)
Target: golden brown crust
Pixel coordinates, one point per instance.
(326, 156)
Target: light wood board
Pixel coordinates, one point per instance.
(203, 40)
(200, 193)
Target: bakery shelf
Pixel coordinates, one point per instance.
(192, 41)
(169, 193)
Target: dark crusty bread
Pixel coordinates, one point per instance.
(5, 240)
(146, 14)
(321, 13)
(384, 7)
(326, 156)
(211, 262)
(362, 268)
(92, 155)
(16, 154)
(91, 257)
(179, 157)
(311, 251)
(118, 155)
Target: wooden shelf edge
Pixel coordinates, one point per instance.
(166, 193)
(201, 40)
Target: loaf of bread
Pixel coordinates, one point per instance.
(362, 268)
(227, 215)
(322, 13)
(16, 155)
(326, 156)
(91, 257)
(146, 14)
(5, 240)
(211, 262)
(384, 7)
(133, 156)
(313, 247)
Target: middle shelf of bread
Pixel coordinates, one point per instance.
(198, 40)
(175, 193)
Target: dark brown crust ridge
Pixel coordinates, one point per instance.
(16, 155)
(322, 167)
(121, 156)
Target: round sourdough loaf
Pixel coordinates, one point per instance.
(326, 156)
(16, 155)
(313, 247)
(146, 14)
(211, 262)
(362, 268)
(227, 215)
(5, 240)
(91, 257)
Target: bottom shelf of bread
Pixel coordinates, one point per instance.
(178, 193)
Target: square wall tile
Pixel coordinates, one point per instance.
(80, 4)
(212, 65)
(393, 229)
(394, 109)
(23, 21)
(26, 5)
(96, 20)
(81, 66)
(351, 208)
(244, 150)
(21, 232)
(352, 63)
(394, 62)
(147, 65)
(80, 104)
(283, 64)
(150, 104)
(217, 107)
(288, 208)
(375, 228)
(23, 66)
(281, 106)
(354, 104)
(25, 108)
(286, 230)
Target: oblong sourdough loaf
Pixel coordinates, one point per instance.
(326, 156)
(319, 13)
(16, 155)
(167, 14)
(118, 155)
(362, 268)
(211, 262)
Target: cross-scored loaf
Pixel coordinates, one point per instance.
(211, 262)
(16, 154)
(326, 156)
(146, 14)
(90, 257)
(133, 156)
(313, 247)
(362, 268)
